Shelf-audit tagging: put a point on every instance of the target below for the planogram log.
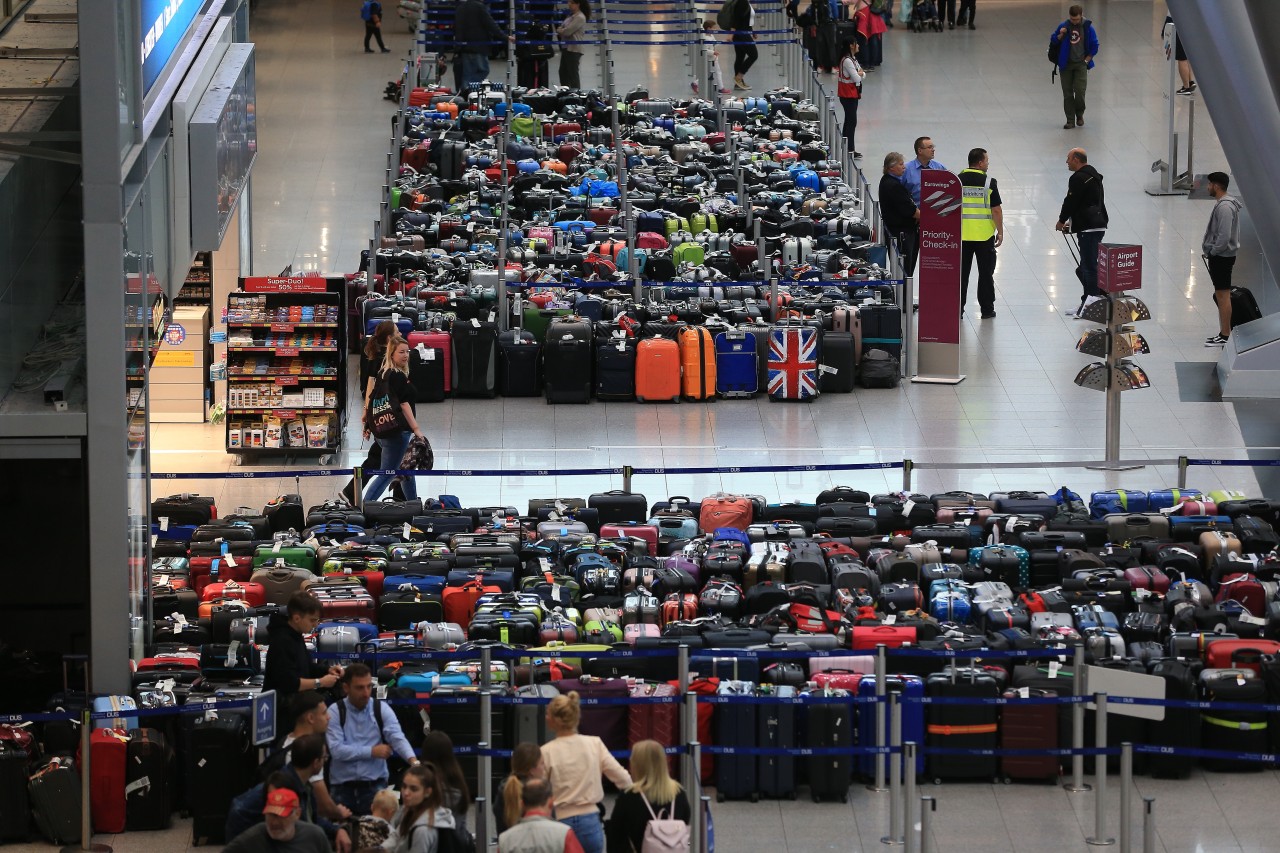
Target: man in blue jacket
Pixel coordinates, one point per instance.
(1076, 43)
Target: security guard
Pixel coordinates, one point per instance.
(981, 231)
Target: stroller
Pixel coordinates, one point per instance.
(924, 15)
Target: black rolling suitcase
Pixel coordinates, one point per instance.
(15, 807)
(736, 726)
(618, 507)
(568, 361)
(519, 364)
(830, 726)
(148, 781)
(218, 765)
(963, 726)
(1180, 726)
(55, 801)
(837, 371)
(462, 722)
(616, 369)
(475, 356)
(426, 372)
(776, 729)
(1244, 307)
(1230, 730)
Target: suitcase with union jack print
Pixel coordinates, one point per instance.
(793, 362)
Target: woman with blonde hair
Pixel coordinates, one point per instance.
(653, 793)
(526, 764)
(390, 416)
(574, 764)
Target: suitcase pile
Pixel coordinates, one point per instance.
(1145, 588)
(687, 315)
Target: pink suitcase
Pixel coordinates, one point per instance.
(647, 532)
(633, 632)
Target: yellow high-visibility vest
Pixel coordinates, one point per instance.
(976, 222)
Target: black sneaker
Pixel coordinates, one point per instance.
(1216, 341)
(988, 315)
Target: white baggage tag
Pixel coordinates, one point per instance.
(1024, 692)
(231, 561)
(276, 548)
(160, 580)
(407, 529)
(544, 564)
(907, 507)
(1054, 666)
(154, 539)
(475, 323)
(164, 522)
(890, 619)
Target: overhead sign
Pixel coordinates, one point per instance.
(264, 718)
(164, 25)
(938, 330)
(1119, 267)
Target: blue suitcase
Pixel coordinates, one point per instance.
(403, 324)
(912, 717)
(115, 704)
(737, 373)
(793, 362)
(426, 584)
(736, 726)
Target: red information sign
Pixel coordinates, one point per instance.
(277, 284)
(939, 264)
(287, 352)
(286, 380)
(285, 414)
(282, 327)
(1119, 267)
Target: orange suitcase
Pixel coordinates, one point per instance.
(658, 370)
(698, 363)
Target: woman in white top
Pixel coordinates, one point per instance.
(422, 813)
(571, 31)
(574, 764)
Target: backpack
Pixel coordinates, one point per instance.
(664, 835)
(456, 840)
(724, 18)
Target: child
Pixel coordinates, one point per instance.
(370, 831)
(712, 57)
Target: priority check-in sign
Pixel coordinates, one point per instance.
(938, 332)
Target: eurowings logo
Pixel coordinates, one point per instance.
(942, 203)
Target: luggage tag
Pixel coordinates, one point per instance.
(164, 523)
(1054, 666)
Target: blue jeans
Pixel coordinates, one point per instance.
(1088, 269)
(589, 830)
(471, 68)
(393, 448)
(357, 796)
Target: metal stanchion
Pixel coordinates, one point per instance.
(484, 763)
(880, 671)
(1099, 837)
(909, 796)
(1077, 784)
(928, 805)
(482, 814)
(907, 466)
(86, 815)
(1126, 795)
(688, 734)
(357, 480)
(762, 257)
(894, 837)
(1182, 472)
(908, 325)
(693, 781)
(1148, 825)
(682, 668)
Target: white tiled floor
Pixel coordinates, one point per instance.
(323, 133)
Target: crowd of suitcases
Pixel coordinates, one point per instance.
(1174, 583)
(705, 323)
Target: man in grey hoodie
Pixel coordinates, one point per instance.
(1221, 242)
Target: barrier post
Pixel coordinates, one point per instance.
(762, 259)
(1126, 795)
(1099, 837)
(86, 814)
(482, 815)
(894, 837)
(1077, 784)
(486, 674)
(627, 471)
(484, 765)
(928, 805)
(682, 668)
(1182, 472)
(1148, 825)
(693, 762)
(703, 842)
(357, 486)
(689, 733)
(907, 465)
(880, 670)
(909, 796)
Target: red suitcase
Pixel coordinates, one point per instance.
(201, 569)
(345, 603)
(255, 594)
(647, 532)
(706, 716)
(460, 601)
(838, 679)
(654, 722)
(1149, 578)
(554, 129)
(1239, 654)
(890, 636)
(1029, 727)
(658, 370)
(108, 752)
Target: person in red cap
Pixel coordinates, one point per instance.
(282, 831)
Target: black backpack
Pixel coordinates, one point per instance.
(536, 44)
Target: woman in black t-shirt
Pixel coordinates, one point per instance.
(395, 373)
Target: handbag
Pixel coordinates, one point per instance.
(384, 418)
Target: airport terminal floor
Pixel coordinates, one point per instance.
(323, 131)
